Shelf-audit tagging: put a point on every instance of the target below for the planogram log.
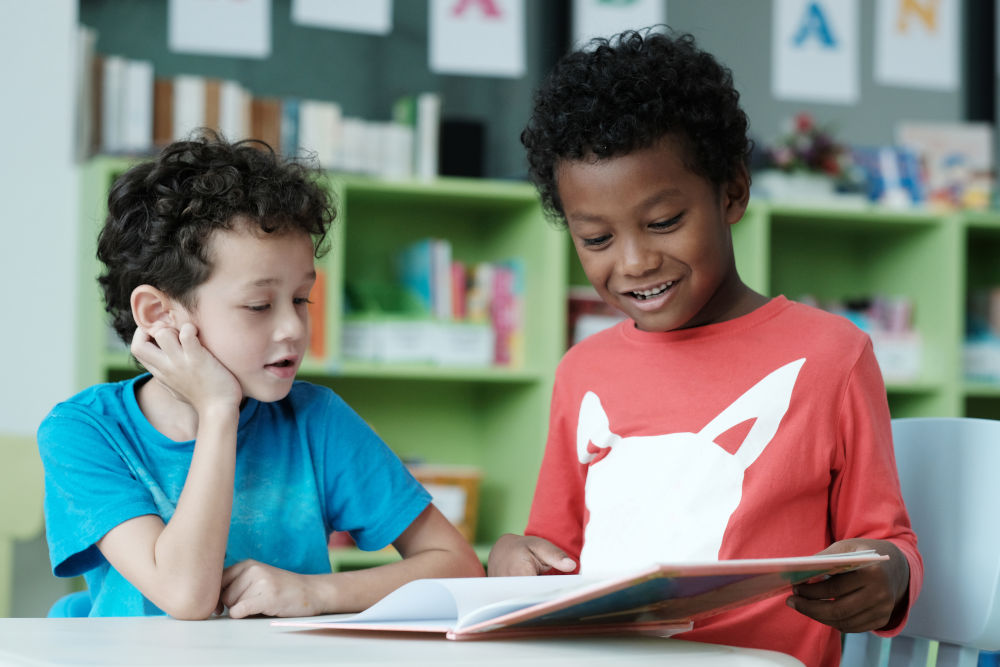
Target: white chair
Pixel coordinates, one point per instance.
(949, 469)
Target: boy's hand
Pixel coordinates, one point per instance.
(250, 588)
(517, 555)
(180, 363)
(872, 598)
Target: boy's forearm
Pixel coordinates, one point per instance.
(189, 554)
(357, 590)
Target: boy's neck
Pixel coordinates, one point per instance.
(173, 418)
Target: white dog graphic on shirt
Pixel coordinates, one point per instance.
(668, 498)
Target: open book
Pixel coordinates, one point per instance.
(664, 599)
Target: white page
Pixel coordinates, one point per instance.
(451, 599)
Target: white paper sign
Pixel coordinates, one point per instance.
(477, 37)
(814, 55)
(916, 43)
(220, 27)
(368, 16)
(604, 18)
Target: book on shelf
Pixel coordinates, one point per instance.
(957, 159)
(265, 121)
(663, 599)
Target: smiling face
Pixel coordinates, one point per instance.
(653, 236)
(252, 311)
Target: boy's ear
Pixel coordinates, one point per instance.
(737, 195)
(151, 305)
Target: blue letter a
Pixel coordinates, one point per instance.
(814, 23)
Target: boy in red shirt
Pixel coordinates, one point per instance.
(715, 422)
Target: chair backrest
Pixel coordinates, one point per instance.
(949, 469)
(21, 492)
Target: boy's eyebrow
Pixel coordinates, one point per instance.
(652, 200)
(267, 282)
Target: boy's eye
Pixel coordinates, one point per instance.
(302, 300)
(260, 308)
(596, 240)
(666, 224)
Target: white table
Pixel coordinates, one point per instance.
(247, 642)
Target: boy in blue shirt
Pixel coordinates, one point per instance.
(214, 480)
(714, 422)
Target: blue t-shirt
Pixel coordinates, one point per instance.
(305, 466)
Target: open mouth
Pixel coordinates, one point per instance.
(642, 295)
(284, 363)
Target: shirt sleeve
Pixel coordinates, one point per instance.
(368, 492)
(557, 510)
(89, 488)
(866, 500)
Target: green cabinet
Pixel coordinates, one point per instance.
(496, 417)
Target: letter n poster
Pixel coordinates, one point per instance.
(916, 43)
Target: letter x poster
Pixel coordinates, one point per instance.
(814, 53)
(477, 37)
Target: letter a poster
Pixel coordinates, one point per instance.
(814, 50)
(916, 43)
(477, 37)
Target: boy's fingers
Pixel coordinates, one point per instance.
(552, 556)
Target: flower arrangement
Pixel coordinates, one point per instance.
(811, 148)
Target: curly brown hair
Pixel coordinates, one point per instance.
(162, 213)
(624, 93)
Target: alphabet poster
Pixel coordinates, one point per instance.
(604, 18)
(916, 43)
(814, 50)
(477, 37)
(373, 17)
(239, 28)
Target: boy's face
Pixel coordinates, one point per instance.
(251, 313)
(653, 236)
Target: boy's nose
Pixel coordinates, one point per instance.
(637, 259)
(292, 324)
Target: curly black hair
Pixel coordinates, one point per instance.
(624, 93)
(162, 213)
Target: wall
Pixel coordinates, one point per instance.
(364, 73)
(308, 61)
(38, 256)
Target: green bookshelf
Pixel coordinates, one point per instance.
(497, 417)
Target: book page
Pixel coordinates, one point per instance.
(451, 599)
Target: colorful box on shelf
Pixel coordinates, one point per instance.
(405, 339)
(899, 354)
(981, 360)
(455, 491)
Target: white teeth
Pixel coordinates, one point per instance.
(645, 294)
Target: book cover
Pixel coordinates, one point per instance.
(163, 111)
(665, 598)
(265, 121)
(290, 126)
(317, 316)
(137, 107)
(112, 95)
(189, 105)
(234, 110)
(415, 267)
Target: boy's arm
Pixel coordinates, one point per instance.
(178, 565)
(430, 546)
(867, 512)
